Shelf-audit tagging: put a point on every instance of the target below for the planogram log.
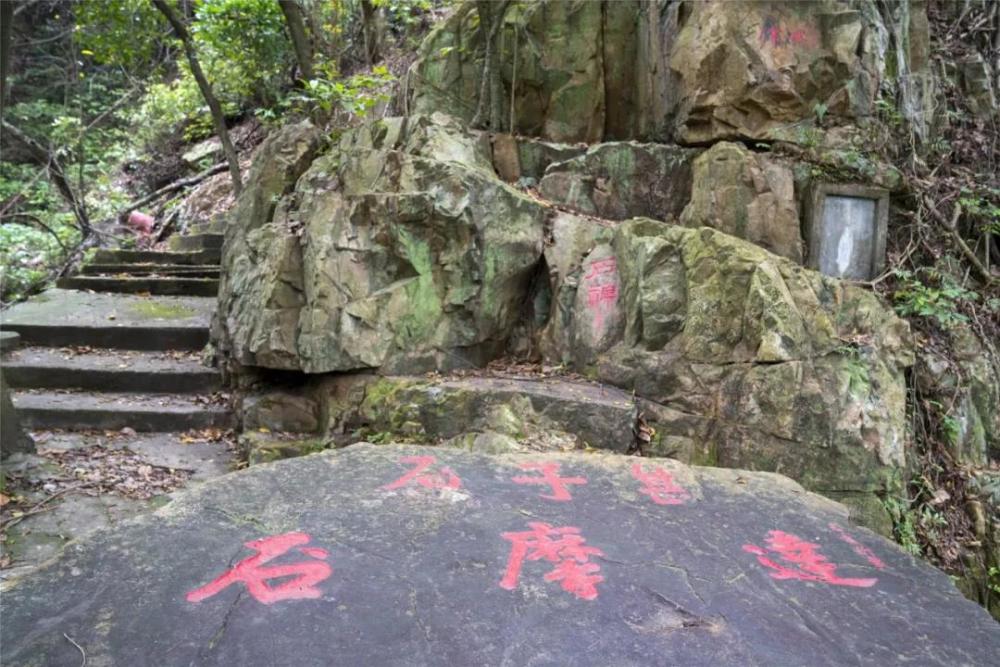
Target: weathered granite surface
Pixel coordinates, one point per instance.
(410, 556)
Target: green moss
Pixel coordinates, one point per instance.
(265, 452)
(162, 311)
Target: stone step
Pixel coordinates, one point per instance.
(58, 317)
(527, 413)
(193, 242)
(173, 286)
(115, 411)
(199, 257)
(108, 370)
(205, 228)
(183, 270)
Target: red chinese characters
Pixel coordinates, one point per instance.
(859, 548)
(601, 285)
(800, 560)
(420, 476)
(550, 476)
(562, 546)
(253, 574)
(660, 486)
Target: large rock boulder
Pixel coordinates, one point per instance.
(260, 290)
(399, 249)
(417, 556)
(693, 72)
(771, 65)
(745, 359)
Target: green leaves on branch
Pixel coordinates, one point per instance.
(938, 298)
(356, 95)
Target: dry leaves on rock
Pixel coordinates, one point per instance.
(95, 470)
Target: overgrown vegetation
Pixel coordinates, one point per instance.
(944, 248)
(105, 91)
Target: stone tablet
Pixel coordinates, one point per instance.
(399, 555)
(848, 237)
(846, 228)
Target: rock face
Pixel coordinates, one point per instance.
(12, 437)
(401, 251)
(691, 72)
(772, 366)
(550, 414)
(771, 64)
(418, 556)
(623, 180)
(398, 249)
(747, 195)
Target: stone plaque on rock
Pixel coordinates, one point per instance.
(847, 228)
(405, 555)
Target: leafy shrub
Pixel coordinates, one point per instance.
(939, 298)
(356, 95)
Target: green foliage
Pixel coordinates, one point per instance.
(819, 110)
(356, 95)
(938, 298)
(127, 33)
(243, 47)
(889, 113)
(904, 523)
(984, 207)
(246, 55)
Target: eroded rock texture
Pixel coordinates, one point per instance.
(400, 250)
(693, 72)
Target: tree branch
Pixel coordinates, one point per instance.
(206, 92)
(56, 173)
(952, 229)
(172, 187)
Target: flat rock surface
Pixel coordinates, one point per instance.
(78, 509)
(59, 307)
(423, 556)
(106, 359)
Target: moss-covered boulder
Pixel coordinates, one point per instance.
(745, 359)
(398, 249)
(543, 414)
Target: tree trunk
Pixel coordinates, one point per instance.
(371, 30)
(300, 38)
(206, 91)
(57, 175)
(6, 19)
(490, 87)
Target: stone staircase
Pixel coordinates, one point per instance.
(118, 345)
(189, 268)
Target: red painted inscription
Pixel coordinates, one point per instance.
(859, 548)
(550, 476)
(419, 475)
(252, 573)
(800, 560)
(660, 486)
(565, 548)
